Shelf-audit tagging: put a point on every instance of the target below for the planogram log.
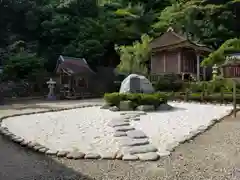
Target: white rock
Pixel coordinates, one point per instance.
(136, 83)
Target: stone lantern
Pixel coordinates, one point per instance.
(51, 86)
(215, 71)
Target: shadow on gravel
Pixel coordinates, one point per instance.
(17, 163)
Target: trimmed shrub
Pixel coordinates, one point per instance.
(169, 82)
(136, 98)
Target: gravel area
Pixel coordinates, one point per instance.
(83, 129)
(167, 129)
(94, 131)
(213, 155)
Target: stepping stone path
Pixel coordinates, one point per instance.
(134, 143)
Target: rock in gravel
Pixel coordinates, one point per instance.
(108, 155)
(136, 134)
(124, 128)
(151, 156)
(51, 152)
(92, 156)
(129, 157)
(75, 155)
(139, 149)
(114, 108)
(119, 155)
(43, 150)
(146, 108)
(164, 107)
(37, 147)
(32, 144)
(18, 139)
(119, 134)
(62, 153)
(24, 143)
(115, 123)
(133, 142)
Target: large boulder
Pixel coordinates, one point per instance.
(136, 84)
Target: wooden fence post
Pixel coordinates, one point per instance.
(234, 99)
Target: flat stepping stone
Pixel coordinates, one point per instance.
(139, 149)
(133, 142)
(151, 156)
(136, 119)
(75, 155)
(120, 134)
(92, 156)
(124, 128)
(129, 157)
(135, 134)
(115, 123)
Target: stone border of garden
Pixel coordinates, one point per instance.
(118, 155)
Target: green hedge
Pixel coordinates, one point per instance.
(202, 97)
(136, 98)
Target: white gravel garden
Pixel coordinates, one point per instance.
(102, 133)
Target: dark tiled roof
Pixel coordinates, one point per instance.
(74, 65)
(171, 38)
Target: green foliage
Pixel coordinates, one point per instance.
(23, 65)
(219, 56)
(169, 82)
(137, 99)
(91, 28)
(134, 58)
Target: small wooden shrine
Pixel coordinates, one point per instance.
(231, 67)
(75, 74)
(173, 53)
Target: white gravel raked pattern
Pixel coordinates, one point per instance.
(83, 129)
(87, 129)
(166, 129)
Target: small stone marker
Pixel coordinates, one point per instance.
(136, 134)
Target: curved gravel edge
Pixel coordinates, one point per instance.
(42, 149)
(80, 155)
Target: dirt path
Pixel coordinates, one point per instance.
(214, 155)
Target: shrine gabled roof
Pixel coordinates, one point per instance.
(171, 38)
(73, 65)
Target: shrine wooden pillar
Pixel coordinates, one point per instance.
(179, 61)
(198, 67)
